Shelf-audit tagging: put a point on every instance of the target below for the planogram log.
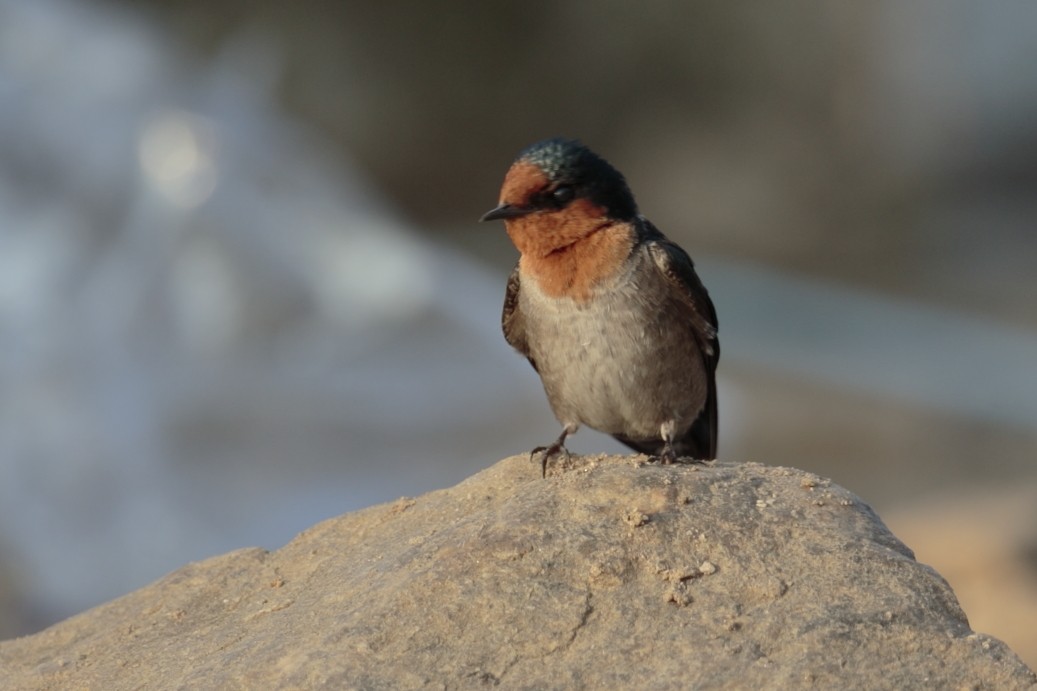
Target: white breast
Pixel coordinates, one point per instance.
(623, 362)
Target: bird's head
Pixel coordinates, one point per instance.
(556, 192)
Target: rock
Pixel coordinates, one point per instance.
(984, 542)
(611, 573)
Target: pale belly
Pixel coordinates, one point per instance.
(623, 363)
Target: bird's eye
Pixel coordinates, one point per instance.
(562, 195)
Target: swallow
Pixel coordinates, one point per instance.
(609, 312)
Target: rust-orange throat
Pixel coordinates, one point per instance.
(567, 250)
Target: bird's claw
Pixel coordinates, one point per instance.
(547, 452)
(671, 458)
(668, 456)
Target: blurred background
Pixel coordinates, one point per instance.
(242, 288)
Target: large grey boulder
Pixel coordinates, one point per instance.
(611, 573)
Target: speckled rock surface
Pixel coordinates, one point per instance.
(611, 573)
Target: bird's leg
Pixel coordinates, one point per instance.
(669, 454)
(667, 430)
(555, 447)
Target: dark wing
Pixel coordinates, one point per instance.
(512, 320)
(679, 270)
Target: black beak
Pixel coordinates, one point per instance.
(504, 211)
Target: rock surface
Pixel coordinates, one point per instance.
(984, 542)
(611, 573)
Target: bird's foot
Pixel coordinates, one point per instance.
(664, 459)
(546, 453)
(669, 456)
(556, 447)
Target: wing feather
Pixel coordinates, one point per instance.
(513, 321)
(675, 264)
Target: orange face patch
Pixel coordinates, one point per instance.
(575, 271)
(541, 233)
(576, 268)
(522, 182)
(544, 231)
(567, 251)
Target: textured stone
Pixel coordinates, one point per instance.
(611, 573)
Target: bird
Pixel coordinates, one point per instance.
(609, 312)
